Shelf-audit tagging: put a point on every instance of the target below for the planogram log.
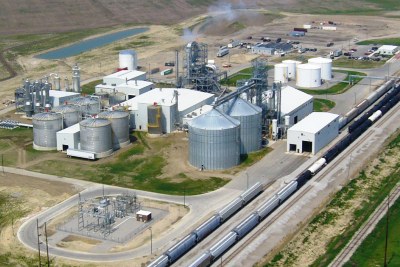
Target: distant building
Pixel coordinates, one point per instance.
(389, 50)
(130, 88)
(270, 48)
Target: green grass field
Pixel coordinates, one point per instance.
(89, 88)
(323, 105)
(241, 75)
(371, 251)
(344, 62)
(386, 41)
(337, 88)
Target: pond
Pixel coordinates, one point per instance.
(86, 45)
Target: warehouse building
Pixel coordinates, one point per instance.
(159, 110)
(123, 76)
(295, 105)
(271, 48)
(130, 88)
(389, 50)
(58, 98)
(313, 133)
(68, 138)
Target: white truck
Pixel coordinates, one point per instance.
(80, 154)
(222, 51)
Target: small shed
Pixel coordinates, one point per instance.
(143, 216)
(388, 50)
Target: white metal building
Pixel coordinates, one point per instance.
(188, 101)
(60, 97)
(388, 50)
(123, 76)
(130, 88)
(295, 104)
(313, 133)
(68, 138)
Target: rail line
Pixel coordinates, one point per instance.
(291, 201)
(357, 239)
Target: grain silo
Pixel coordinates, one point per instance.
(281, 73)
(71, 114)
(308, 75)
(87, 105)
(119, 127)
(326, 66)
(95, 136)
(214, 141)
(249, 117)
(45, 128)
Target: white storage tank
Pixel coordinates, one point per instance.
(326, 66)
(308, 76)
(214, 141)
(119, 127)
(95, 136)
(281, 73)
(292, 65)
(128, 59)
(249, 116)
(45, 128)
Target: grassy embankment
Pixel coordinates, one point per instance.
(89, 88)
(330, 230)
(244, 74)
(337, 88)
(139, 166)
(371, 251)
(386, 41)
(323, 105)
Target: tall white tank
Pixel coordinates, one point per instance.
(281, 73)
(76, 79)
(326, 66)
(128, 59)
(292, 64)
(308, 75)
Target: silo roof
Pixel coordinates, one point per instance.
(94, 122)
(241, 107)
(65, 109)
(115, 114)
(46, 116)
(214, 120)
(83, 100)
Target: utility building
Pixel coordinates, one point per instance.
(389, 50)
(130, 88)
(295, 105)
(123, 76)
(68, 138)
(313, 133)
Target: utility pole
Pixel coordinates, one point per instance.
(387, 231)
(184, 196)
(47, 244)
(38, 240)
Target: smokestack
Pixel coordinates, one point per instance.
(76, 79)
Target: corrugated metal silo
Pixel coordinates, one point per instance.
(119, 127)
(45, 128)
(249, 116)
(116, 98)
(87, 105)
(71, 114)
(214, 141)
(95, 136)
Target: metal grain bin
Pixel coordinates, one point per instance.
(119, 127)
(71, 114)
(87, 105)
(214, 141)
(45, 128)
(95, 136)
(249, 116)
(116, 98)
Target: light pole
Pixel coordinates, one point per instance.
(151, 240)
(247, 176)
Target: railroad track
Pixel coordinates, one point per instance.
(357, 239)
(302, 192)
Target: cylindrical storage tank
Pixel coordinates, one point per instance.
(45, 128)
(104, 99)
(87, 105)
(214, 141)
(95, 136)
(128, 59)
(119, 127)
(308, 75)
(249, 117)
(154, 125)
(274, 129)
(326, 66)
(291, 64)
(116, 98)
(281, 73)
(71, 114)
(28, 109)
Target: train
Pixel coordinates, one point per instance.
(252, 220)
(207, 227)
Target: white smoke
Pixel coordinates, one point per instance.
(224, 10)
(189, 35)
